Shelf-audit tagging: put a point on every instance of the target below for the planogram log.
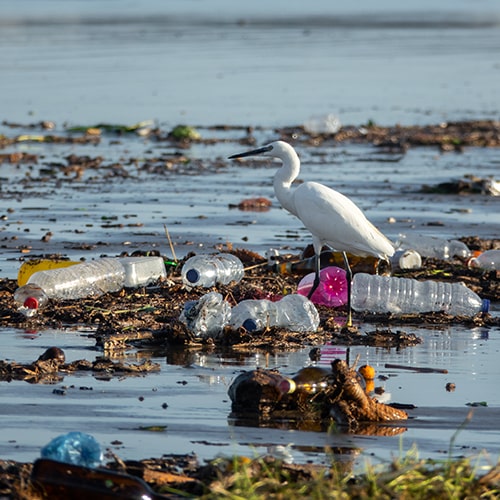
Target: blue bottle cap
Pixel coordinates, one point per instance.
(485, 306)
(193, 276)
(250, 325)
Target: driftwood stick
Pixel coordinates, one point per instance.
(421, 369)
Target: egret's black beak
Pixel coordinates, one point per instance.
(254, 152)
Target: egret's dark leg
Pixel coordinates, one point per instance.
(316, 277)
(348, 275)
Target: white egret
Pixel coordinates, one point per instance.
(332, 218)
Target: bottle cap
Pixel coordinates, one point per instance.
(485, 306)
(407, 259)
(193, 276)
(472, 260)
(31, 303)
(287, 386)
(250, 325)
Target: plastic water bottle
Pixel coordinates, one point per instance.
(293, 312)
(88, 279)
(404, 295)
(75, 448)
(208, 270)
(208, 316)
(488, 260)
(430, 246)
(326, 124)
(332, 289)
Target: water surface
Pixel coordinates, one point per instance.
(253, 64)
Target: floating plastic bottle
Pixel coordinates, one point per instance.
(293, 312)
(88, 279)
(405, 296)
(208, 270)
(430, 246)
(208, 316)
(325, 124)
(75, 448)
(332, 289)
(488, 260)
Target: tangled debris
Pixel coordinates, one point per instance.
(445, 135)
(149, 317)
(338, 396)
(50, 368)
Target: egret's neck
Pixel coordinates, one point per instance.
(283, 179)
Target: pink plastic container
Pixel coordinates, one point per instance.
(332, 290)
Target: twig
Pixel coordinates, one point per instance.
(170, 243)
(416, 368)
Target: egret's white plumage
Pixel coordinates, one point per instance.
(332, 218)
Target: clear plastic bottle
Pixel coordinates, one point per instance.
(488, 260)
(404, 295)
(75, 448)
(208, 270)
(325, 124)
(87, 279)
(208, 316)
(430, 246)
(293, 312)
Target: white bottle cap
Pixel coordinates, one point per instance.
(407, 259)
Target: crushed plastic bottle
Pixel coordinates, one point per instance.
(88, 279)
(488, 260)
(332, 289)
(404, 296)
(325, 124)
(430, 246)
(208, 270)
(293, 312)
(207, 316)
(75, 448)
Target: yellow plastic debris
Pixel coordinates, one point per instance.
(34, 265)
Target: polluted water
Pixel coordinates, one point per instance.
(58, 197)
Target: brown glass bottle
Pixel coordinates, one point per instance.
(371, 265)
(59, 480)
(310, 379)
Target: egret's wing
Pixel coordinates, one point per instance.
(338, 222)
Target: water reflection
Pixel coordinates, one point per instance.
(194, 386)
